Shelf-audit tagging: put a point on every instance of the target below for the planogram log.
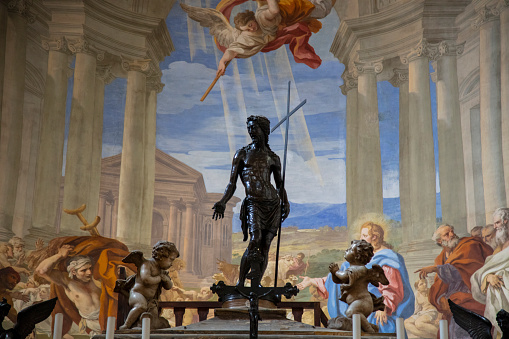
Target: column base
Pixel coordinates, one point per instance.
(5, 234)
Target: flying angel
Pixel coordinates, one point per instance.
(270, 27)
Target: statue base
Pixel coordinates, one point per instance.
(234, 323)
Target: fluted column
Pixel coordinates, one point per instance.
(12, 109)
(369, 161)
(349, 88)
(51, 144)
(490, 101)
(400, 80)
(131, 170)
(78, 160)
(421, 162)
(504, 82)
(188, 237)
(154, 86)
(450, 145)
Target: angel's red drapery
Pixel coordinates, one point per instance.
(295, 31)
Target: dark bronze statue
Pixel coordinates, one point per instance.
(354, 286)
(264, 207)
(27, 318)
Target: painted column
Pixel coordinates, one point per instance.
(78, 160)
(154, 86)
(12, 109)
(504, 82)
(369, 162)
(131, 169)
(103, 76)
(478, 193)
(172, 224)
(349, 88)
(188, 237)
(51, 146)
(491, 131)
(3, 37)
(400, 80)
(450, 144)
(421, 159)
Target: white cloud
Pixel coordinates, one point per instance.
(390, 180)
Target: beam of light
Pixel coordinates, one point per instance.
(241, 103)
(279, 72)
(195, 33)
(252, 75)
(230, 130)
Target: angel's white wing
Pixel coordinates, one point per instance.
(219, 26)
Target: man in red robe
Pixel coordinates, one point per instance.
(454, 266)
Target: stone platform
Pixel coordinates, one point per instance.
(234, 323)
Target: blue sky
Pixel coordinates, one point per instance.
(204, 135)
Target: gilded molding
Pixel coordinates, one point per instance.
(349, 82)
(424, 49)
(486, 14)
(400, 77)
(104, 73)
(22, 7)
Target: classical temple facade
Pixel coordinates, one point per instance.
(467, 44)
(465, 41)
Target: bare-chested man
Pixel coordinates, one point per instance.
(80, 287)
(264, 206)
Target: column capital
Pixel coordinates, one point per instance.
(486, 14)
(104, 73)
(154, 84)
(450, 48)
(59, 44)
(139, 65)
(423, 49)
(400, 77)
(364, 67)
(503, 5)
(349, 82)
(22, 7)
(81, 45)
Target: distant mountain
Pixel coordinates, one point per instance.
(318, 215)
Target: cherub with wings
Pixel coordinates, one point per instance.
(273, 24)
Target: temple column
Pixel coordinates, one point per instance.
(131, 170)
(78, 163)
(3, 37)
(450, 145)
(421, 160)
(188, 237)
(51, 145)
(400, 80)
(490, 101)
(154, 86)
(102, 78)
(12, 110)
(369, 161)
(172, 224)
(349, 88)
(504, 82)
